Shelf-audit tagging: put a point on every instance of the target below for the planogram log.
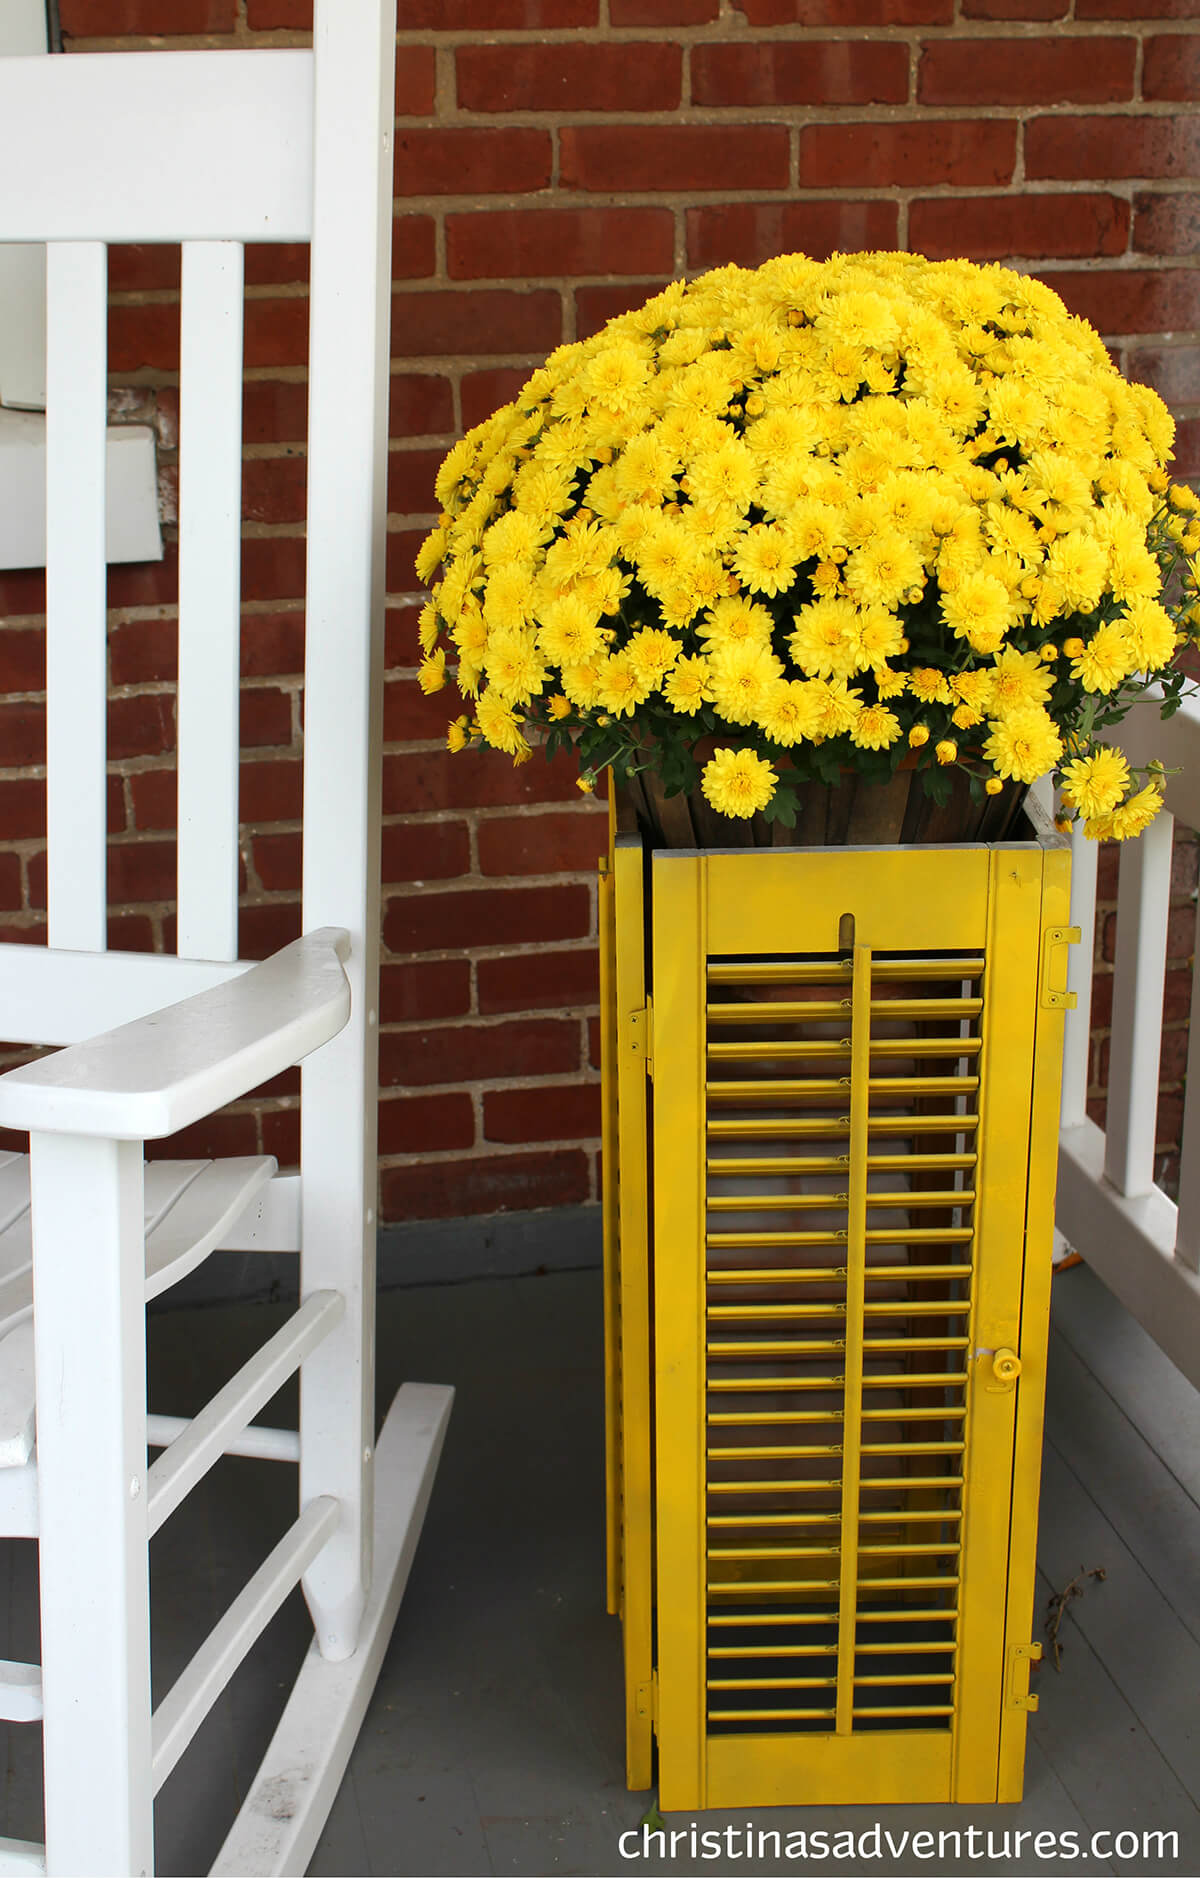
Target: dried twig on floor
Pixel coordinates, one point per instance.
(1056, 1606)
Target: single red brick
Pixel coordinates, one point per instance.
(419, 404)
(268, 791)
(662, 12)
(639, 76)
(617, 157)
(273, 567)
(485, 392)
(108, 19)
(1171, 67)
(272, 644)
(530, 981)
(568, 842)
(1135, 9)
(276, 331)
(22, 590)
(465, 162)
(1172, 1061)
(425, 1124)
(1129, 300)
(1173, 371)
(144, 651)
(1087, 149)
(273, 489)
(993, 228)
(507, 244)
(277, 263)
(595, 306)
(414, 247)
(22, 734)
(143, 336)
(419, 851)
(497, 15)
(493, 1183)
(1015, 9)
(557, 1112)
(22, 658)
(263, 16)
(401, 645)
(23, 808)
(265, 717)
(499, 916)
(410, 481)
(750, 232)
(1187, 449)
(800, 71)
(141, 871)
(971, 152)
(472, 779)
(155, 798)
(1185, 863)
(1026, 71)
(1167, 224)
(141, 726)
(423, 989)
(478, 1052)
(137, 267)
(402, 547)
(841, 13)
(216, 1138)
(10, 883)
(274, 411)
(278, 862)
(1181, 932)
(471, 321)
(265, 929)
(411, 717)
(416, 79)
(1177, 995)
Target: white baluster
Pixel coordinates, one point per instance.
(1143, 902)
(1187, 1233)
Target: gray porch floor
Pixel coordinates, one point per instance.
(494, 1740)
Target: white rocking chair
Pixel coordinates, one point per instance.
(211, 150)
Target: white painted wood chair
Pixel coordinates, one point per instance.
(211, 149)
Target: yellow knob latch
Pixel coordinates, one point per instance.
(1006, 1367)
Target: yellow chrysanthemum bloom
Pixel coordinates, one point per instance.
(458, 734)
(1150, 634)
(652, 652)
(788, 712)
(427, 627)
(979, 610)
(929, 686)
(514, 666)
(736, 621)
(1018, 679)
(499, 724)
(741, 675)
(875, 727)
(1137, 814)
(765, 559)
(621, 687)
(1105, 661)
(1024, 745)
(824, 642)
(558, 707)
(1095, 784)
(689, 685)
(432, 674)
(738, 783)
(884, 569)
(835, 706)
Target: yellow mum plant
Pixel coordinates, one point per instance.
(819, 516)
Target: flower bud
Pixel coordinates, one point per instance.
(586, 782)
(946, 751)
(1048, 652)
(993, 786)
(918, 735)
(1074, 648)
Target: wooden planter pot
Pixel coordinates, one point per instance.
(831, 1086)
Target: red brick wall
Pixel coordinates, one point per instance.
(556, 161)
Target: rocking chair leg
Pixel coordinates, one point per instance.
(89, 1319)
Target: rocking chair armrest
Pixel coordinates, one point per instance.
(160, 1073)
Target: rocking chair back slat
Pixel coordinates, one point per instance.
(76, 581)
(218, 147)
(210, 432)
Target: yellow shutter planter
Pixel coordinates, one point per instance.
(831, 1082)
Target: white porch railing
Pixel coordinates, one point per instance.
(1143, 1245)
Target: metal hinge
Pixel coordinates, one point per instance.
(1055, 996)
(646, 1698)
(641, 1034)
(1020, 1662)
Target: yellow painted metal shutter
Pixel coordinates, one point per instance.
(852, 1053)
